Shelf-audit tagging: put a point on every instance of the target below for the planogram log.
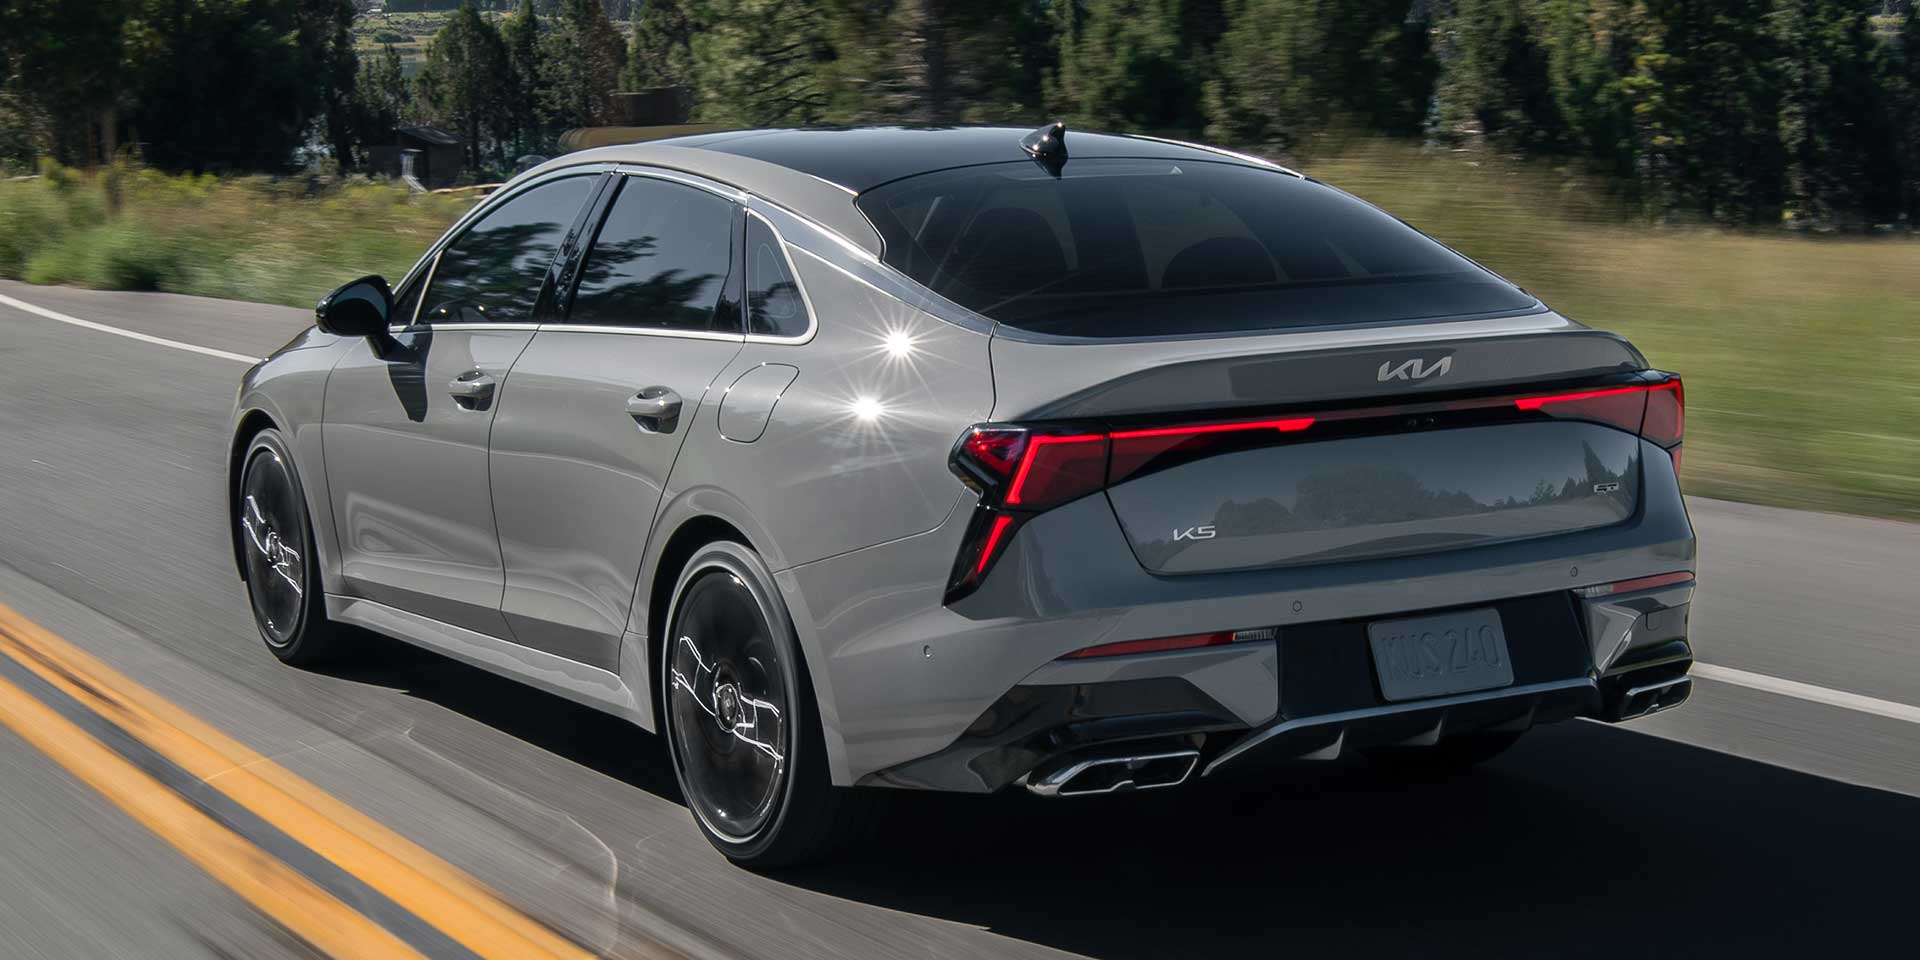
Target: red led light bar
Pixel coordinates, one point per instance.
(994, 533)
(1157, 645)
(1535, 403)
(1288, 425)
(1638, 583)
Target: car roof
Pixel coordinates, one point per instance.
(818, 172)
(861, 158)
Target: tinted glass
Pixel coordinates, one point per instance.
(1150, 248)
(774, 307)
(494, 271)
(408, 300)
(659, 261)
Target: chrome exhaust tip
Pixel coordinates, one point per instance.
(1649, 698)
(1146, 771)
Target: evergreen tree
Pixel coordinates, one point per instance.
(1493, 80)
(521, 34)
(1124, 65)
(326, 44)
(1901, 73)
(930, 61)
(581, 60)
(1591, 48)
(1834, 122)
(1706, 105)
(662, 52)
(463, 84)
(220, 84)
(1285, 67)
(67, 71)
(756, 62)
(382, 96)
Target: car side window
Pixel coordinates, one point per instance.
(494, 271)
(659, 261)
(774, 306)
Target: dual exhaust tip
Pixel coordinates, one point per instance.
(1112, 774)
(1648, 698)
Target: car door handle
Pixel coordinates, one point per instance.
(654, 403)
(472, 385)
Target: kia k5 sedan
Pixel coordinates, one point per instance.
(974, 460)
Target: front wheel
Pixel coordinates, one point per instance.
(283, 585)
(740, 718)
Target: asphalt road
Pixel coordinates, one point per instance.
(1750, 821)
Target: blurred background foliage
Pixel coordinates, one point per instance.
(1733, 185)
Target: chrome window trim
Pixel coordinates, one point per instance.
(806, 301)
(639, 331)
(672, 176)
(420, 302)
(675, 176)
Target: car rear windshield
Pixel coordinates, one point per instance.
(1157, 248)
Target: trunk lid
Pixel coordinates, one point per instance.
(1417, 443)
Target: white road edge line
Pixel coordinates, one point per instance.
(129, 334)
(1807, 691)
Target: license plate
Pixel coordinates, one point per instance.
(1438, 655)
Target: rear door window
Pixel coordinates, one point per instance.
(659, 261)
(1155, 248)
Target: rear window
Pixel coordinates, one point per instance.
(1156, 248)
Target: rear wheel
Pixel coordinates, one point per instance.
(277, 541)
(1451, 755)
(741, 721)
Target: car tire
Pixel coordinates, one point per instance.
(276, 543)
(741, 721)
(1451, 755)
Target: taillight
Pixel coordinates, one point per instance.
(1020, 471)
(1638, 583)
(1666, 421)
(1656, 411)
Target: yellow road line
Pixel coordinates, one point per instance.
(273, 888)
(423, 884)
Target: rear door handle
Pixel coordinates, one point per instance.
(654, 403)
(472, 385)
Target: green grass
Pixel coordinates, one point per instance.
(1801, 354)
(251, 238)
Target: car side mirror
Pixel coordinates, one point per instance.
(358, 309)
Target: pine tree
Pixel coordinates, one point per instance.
(756, 62)
(1706, 104)
(382, 96)
(463, 84)
(1494, 81)
(661, 55)
(1901, 75)
(1834, 118)
(582, 57)
(326, 42)
(521, 34)
(1124, 65)
(1288, 67)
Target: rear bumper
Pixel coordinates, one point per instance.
(919, 694)
(1328, 702)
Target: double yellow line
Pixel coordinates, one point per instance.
(464, 917)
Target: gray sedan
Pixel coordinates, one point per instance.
(972, 460)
